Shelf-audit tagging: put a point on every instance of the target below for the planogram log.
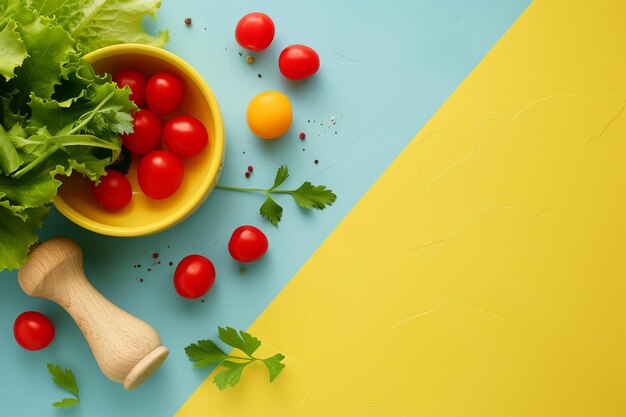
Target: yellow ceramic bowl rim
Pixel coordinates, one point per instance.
(217, 159)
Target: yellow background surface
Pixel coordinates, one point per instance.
(484, 274)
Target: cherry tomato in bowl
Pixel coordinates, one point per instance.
(146, 136)
(160, 174)
(185, 136)
(298, 61)
(33, 330)
(114, 191)
(194, 276)
(247, 244)
(137, 83)
(255, 31)
(164, 93)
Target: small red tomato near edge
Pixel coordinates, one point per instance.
(160, 174)
(247, 244)
(194, 276)
(164, 92)
(114, 191)
(185, 136)
(33, 330)
(298, 61)
(146, 136)
(137, 83)
(255, 31)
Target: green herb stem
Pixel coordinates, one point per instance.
(21, 172)
(250, 359)
(307, 196)
(55, 147)
(257, 190)
(92, 114)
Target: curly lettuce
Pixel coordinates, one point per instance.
(56, 115)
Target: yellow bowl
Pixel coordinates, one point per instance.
(144, 215)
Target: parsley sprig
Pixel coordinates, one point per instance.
(66, 380)
(307, 196)
(206, 352)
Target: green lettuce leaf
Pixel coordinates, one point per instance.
(109, 107)
(8, 9)
(85, 20)
(9, 158)
(49, 48)
(21, 195)
(13, 50)
(56, 115)
(17, 234)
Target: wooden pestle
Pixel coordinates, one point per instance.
(127, 349)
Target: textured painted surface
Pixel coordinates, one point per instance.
(483, 274)
(385, 71)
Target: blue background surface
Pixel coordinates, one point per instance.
(386, 68)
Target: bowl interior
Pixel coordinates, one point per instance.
(144, 215)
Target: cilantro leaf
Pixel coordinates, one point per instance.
(229, 376)
(204, 353)
(274, 365)
(66, 380)
(242, 340)
(271, 211)
(281, 176)
(307, 196)
(313, 196)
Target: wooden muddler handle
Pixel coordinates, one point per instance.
(127, 349)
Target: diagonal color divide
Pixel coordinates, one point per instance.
(386, 68)
(483, 274)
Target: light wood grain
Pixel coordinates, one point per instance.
(126, 348)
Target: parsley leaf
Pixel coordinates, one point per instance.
(66, 380)
(281, 176)
(242, 340)
(271, 211)
(206, 352)
(307, 196)
(231, 375)
(310, 196)
(274, 365)
(66, 402)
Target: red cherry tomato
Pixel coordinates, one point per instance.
(185, 136)
(255, 31)
(164, 92)
(247, 244)
(160, 174)
(114, 191)
(33, 330)
(137, 83)
(147, 129)
(194, 276)
(298, 61)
